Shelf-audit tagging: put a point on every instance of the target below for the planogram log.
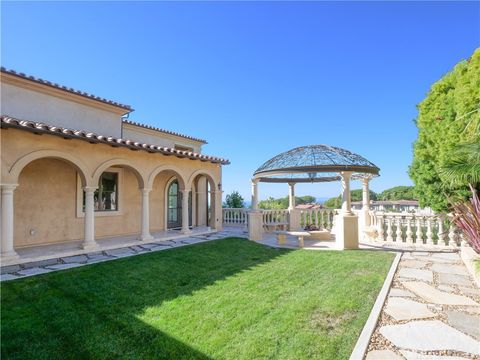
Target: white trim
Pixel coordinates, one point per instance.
(81, 214)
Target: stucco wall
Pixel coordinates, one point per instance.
(148, 136)
(45, 199)
(32, 105)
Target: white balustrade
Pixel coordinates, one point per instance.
(235, 216)
(414, 229)
(323, 218)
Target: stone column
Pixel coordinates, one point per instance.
(185, 227)
(145, 235)
(89, 220)
(346, 207)
(255, 194)
(365, 194)
(255, 225)
(7, 252)
(346, 223)
(291, 196)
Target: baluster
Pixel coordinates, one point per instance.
(463, 240)
(441, 235)
(409, 232)
(419, 234)
(398, 234)
(429, 231)
(389, 230)
(380, 227)
(451, 235)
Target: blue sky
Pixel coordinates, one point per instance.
(254, 78)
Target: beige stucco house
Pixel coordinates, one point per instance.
(74, 172)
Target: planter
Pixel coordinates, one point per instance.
(319, 235)
(472, 262)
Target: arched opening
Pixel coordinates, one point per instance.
(166, 200)
(45, 203)
(203, 190)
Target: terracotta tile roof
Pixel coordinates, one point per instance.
(129, 122)
(41, 128)
(64, 88)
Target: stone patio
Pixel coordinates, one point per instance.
(431, 313)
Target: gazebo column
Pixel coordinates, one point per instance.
(346, 222)
(255, 216)
(291, 196)
(364, 220)
(255, 194)
(294, 214)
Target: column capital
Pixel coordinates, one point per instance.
(291, 184)
(8, 187)
(346, 174)
(185, 191)
(145, 190)
(365, 181)
(255, 181)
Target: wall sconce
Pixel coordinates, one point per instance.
(219, 186)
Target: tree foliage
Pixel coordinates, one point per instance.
(448, 117)
(282, 203)
(355, 195)
(399, 193)
(234, 200)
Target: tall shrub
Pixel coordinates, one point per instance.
(448, 116)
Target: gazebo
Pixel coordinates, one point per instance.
(316, 164)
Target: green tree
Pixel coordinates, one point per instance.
(448, 116)
(355, 195)
(234, 200)
(399, 193)
(282, 203)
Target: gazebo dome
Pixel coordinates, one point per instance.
(314, 163)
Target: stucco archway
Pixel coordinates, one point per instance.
(159, 169)
(20, 164)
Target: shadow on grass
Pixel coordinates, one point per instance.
(91, 312)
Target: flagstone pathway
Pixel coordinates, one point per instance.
(45, 266)
(432, 311)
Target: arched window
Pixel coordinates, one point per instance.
(174, 204)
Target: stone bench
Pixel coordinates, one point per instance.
(275, 226)
(281, 236)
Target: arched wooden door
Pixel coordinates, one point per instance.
(174, 206)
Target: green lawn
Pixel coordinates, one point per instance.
(226, 299)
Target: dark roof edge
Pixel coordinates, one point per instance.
(41, 128)
(66, 89)
(130, 122)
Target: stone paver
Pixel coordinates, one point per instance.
(452, 330)
(119, 253)
(469, 291)
(428, 335)
(6, 277)
(450, 269)
(400, 293)
(410, 355)
(33, 271)
(414, 263)
(453, 279)
(40, 263)
(405, 309)
(383, 355)
(424, 275)
(469, 324)
(75, 259)
(10, 269)
(430, 294)
(62, 266)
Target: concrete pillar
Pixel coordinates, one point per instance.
(89, 220)
(255, 225)
(291, 196)
(365, 194)
(294, 220)
(145, 235)
(364, 214)
(255, 194)
(346, 207)
(7, 251)
(346, 223)
(185, 228)
(217, 206)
